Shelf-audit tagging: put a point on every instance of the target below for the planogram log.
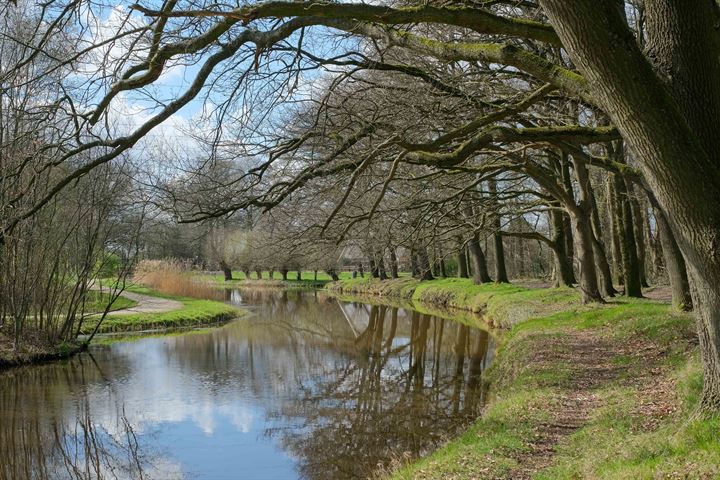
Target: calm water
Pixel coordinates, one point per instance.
(307, 387)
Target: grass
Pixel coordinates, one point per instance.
(503, 304)
(194, 312)
(96, 302)
(644, 426)
(642, 423)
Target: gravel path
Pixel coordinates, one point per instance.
(148, 304)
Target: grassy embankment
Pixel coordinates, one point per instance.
(577, 391)
(194, 312)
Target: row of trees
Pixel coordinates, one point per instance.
(589, 124)
(435, 118)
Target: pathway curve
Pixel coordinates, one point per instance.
(148, 304)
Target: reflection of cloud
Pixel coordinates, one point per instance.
(162, 393)
(239, 416)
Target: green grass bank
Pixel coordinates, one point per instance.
(598, 392)
(194, 312)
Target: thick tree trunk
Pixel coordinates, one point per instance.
(299, 275)
(258, 272)
(626, 239)
(381, 266)
(227, 271)
(582, 234)
(333, 274)
(374, 272)
(500, 269)
(615, 223)
(668, 110)
(587, 199)
(393, 264)
(479, 263)
(423, 262)
(638, 233)
(564, 275)
(674, 264)
(414, 269)
(462, 260)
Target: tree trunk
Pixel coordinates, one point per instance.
(381, 266)
(227, 271)
(414, 268)
(299, 275)
(638, 233)
(479, 263)
(587, 197)
(626, 239)
(582, 234)
(500, 269)
(674, 264)
(333, 274)
(284, 274)
(667, 107)
(564, 275)
(462, 260)
(258, 272)
(393, 264)
(374, 272)
(423, 262)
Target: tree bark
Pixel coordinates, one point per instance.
(667, 107)
(501, 275)
(227, 271)
(462, 260)
(423, 262)
(381, 266)
(477, 258)
(393, 264)
(674, 264)
(564, 275)
(587, 197)
(582, 234)
(639, 234)
(626, 240)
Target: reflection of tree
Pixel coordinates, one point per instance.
(40, 441)
(396, 398)
(343, 387)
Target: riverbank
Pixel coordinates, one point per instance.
(576, 391)
(175, 312)
(130, 313)
(502, 304)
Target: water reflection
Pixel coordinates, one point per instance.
(308, 387)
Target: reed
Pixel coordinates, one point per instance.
(173, 277)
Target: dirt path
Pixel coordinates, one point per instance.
(590, 355)
(148, 304)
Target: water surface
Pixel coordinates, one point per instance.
(306, 387)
